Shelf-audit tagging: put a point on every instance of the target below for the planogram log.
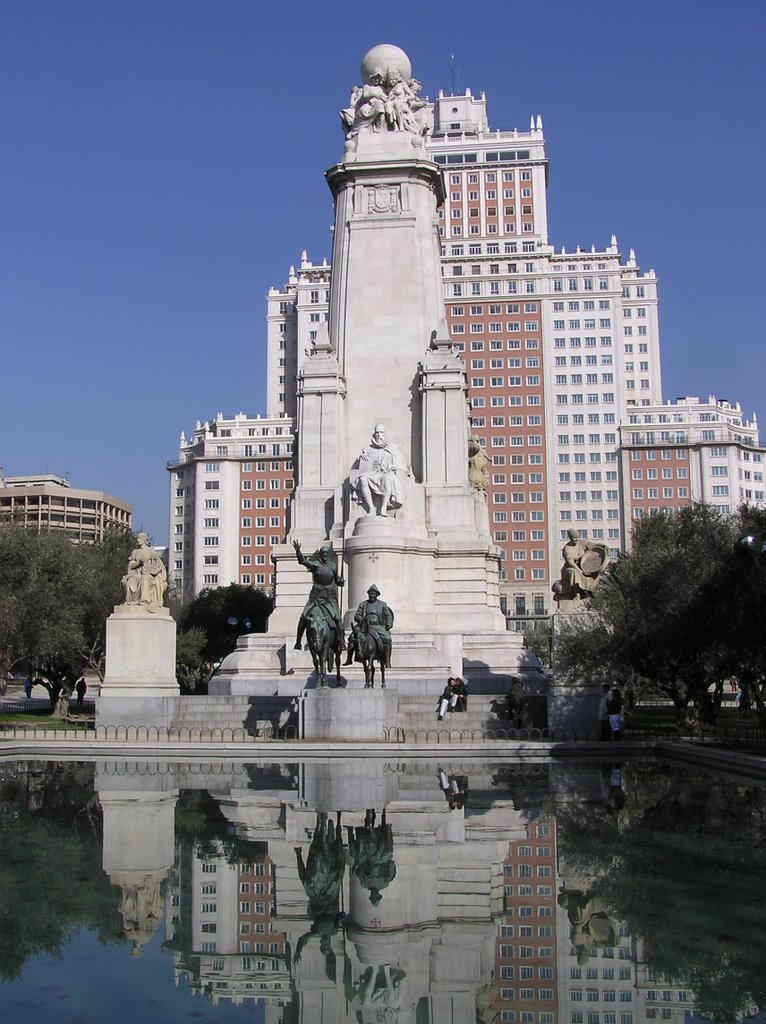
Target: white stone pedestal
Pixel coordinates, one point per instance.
(573, 706)
(139, 687)
(346, 714)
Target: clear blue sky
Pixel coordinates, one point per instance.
(163, 166)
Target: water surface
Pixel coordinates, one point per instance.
(593, 893)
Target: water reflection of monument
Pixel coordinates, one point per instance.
(380, 902)
(138, 852)
(430, 914)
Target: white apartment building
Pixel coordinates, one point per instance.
(230, 489)
(690, 450)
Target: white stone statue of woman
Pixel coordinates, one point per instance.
(146, 580)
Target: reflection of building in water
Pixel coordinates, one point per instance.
(527, 944)
(222, 928)
(476, 924)
(425, 951)
(611, 985)
(657, 998)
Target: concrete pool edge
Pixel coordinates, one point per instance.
(742, 763)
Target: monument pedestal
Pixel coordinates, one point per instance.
(573, 703)
(139, 687)
(348, 714)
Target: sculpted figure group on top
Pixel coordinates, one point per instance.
(387, 102)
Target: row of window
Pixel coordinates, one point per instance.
(527, 227)
(670, 492)
(489, 249)
(496, 309)
(592, 398)
(532, 381)
(667, 474)
(518, 517)
(497, 344)
(499, 400)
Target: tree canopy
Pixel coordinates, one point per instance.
(50, 871)
(681, 863)
(55, 598)
(208, 627)
(685, 610)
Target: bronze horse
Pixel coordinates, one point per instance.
(368, 651)
(324, 646)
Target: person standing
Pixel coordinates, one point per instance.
(614, 707)
(81, 687)
(604, 729)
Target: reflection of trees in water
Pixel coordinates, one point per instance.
(273, 776)
(201, 825)
(51, 863)
(526, 784)
(682, 864)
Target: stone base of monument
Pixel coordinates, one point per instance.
(327, 788)
(139, 685)
(574, 706)
(267, 664)
(351, 714)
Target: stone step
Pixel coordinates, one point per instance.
(463, 876)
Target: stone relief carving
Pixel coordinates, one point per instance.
(478, 460)
(383, 199)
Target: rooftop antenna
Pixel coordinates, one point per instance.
(454, 74)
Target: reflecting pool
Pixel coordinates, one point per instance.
(370, 891)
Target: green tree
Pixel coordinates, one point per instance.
(55, 597)
(744, 598)
(192, 671)
(669, 618)
(538, 639)
(208, 627)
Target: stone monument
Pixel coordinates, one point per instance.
(138, 804)
(573, 703)
(584, 562)
(384, 427)
(140, 685)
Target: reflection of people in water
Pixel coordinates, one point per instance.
(455, 789)
(371, 848)
(322, 877)
(611, 787)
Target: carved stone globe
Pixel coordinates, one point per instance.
(380, 59)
